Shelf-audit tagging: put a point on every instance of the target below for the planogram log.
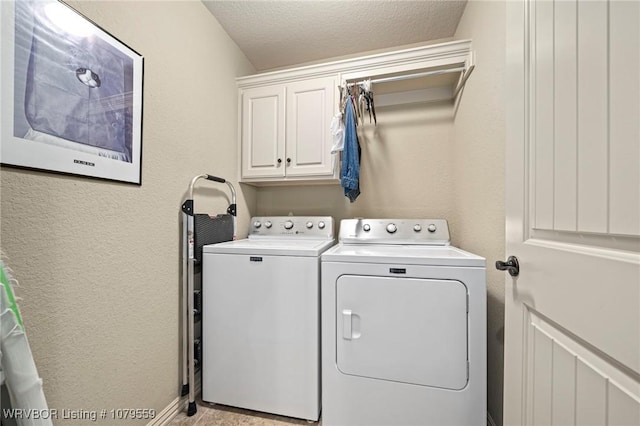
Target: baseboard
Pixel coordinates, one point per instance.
(165, 416)
(490, 421)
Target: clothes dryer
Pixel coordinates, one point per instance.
(403, 327)
(261, 317)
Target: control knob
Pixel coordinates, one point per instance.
(321, 225)
(257, 224)
(391, 228)
(366, 227)
(431, 228)
(309, 225)
(417, 227)
(288, 225)
(268, 224)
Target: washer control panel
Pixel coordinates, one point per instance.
(292, 226)
(395, 231)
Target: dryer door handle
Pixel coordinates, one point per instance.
(350, 325)
(347, 329)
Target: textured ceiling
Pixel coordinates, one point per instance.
(278, 33)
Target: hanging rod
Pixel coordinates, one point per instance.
(416, 75)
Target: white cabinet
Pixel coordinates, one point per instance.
(285, 135)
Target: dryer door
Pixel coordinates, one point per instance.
(406, 330)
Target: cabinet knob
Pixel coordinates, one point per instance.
(279, 160)
(288, 160)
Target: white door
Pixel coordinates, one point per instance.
(407, 330)
(572, 316)
(310, 106)
(263, 131)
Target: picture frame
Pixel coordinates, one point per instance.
(71, 99)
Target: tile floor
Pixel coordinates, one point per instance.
(221, 415)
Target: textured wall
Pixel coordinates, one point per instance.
(98, 262)
(478, 149)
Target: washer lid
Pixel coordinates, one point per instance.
(271, 247)
(402, 254)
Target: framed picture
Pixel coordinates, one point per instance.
(71, 94)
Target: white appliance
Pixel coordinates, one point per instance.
(403, 327)
(261, 317)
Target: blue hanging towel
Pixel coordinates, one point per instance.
(350, 173)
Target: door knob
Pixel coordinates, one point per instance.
(510, 265)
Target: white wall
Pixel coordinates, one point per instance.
(98, 262)
(478, 149)
(405, 171)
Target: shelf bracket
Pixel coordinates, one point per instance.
(465, 76)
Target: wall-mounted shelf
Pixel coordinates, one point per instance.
(434, 74)
(420, 74)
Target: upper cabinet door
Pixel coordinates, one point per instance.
(310, 107)
(263, 132)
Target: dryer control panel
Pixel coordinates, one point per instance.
(318, 227)
(395, 231)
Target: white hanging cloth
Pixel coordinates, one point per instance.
(337, 133)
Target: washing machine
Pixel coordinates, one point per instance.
(261, 317)
(403, 327)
